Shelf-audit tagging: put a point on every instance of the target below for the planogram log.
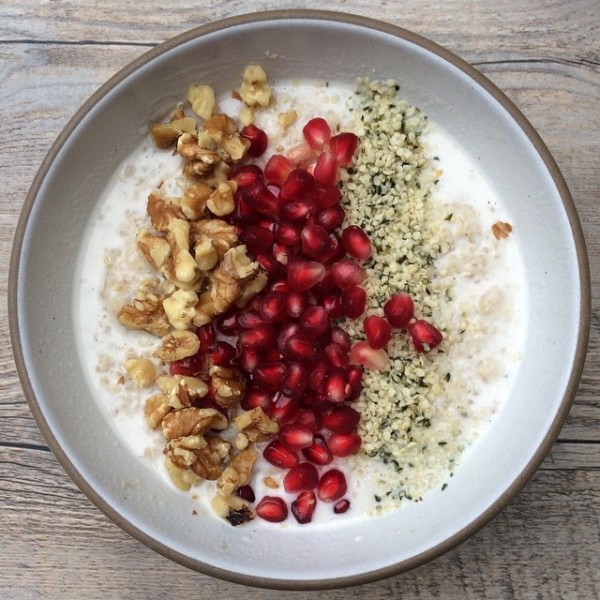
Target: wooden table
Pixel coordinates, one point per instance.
(545, 54)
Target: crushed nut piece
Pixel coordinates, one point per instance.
(254, 89)
(164, 135)
(228, 386)
(155, 410)
(256, 425)
(180, 308)
(222, 235)
(192, 421)
(141, 371)
(177, 345)
(271, 483)
(193, 202)
(221, 202)
(161, 210)
(202, 99)
(287, 119)
(183, 478)
(181, 390)
(501, 230)
(145, 313)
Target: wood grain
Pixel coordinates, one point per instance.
(544, 54)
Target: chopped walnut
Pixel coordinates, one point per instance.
(203, 456)
(202, 99)
(205, 253)
(141, 371)
(164, 135)
(254, 89)
(177, 345)
(237, 473)
(221, 202)
(228, 386)
(233, 508)
(161, 210)
(181, 390)
(183, 478)
(287, 119)
(501, 230)
(254, 426)
(251, 288)
(202, 160)
(178, 236)
(155, 410)
(222, 235)
(180, 308)
(193, 202)
(145, 313)
(271, 483)
(192, 421)
(222, 129)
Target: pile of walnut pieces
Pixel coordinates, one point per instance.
(202, 273)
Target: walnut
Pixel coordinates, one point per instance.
(254, 89)
(221, 201)
(183, 478)
(205, 254)
(161, 211)
(192, 421)
(501, 230)
(202, 160)
(222, 235)
(145, 313)
(238, 265)
(237, 473)
(251, 288)
(228, 386)
(180, 308)
(233, 508)
(223, 131)
(193, 202)
(203, 456)
(155, 410)
(164, 135)
(141, 371)
(202, 99)
(177, 345)
(178, 236)
(181, 390)
(287, 119)
(254, 426)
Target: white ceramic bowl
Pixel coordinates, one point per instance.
(308, 45)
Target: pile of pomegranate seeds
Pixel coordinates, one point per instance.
(301, 367)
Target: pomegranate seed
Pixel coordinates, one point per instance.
(317, 133)
(223, 354)
(287, 331)
(326, 168)
(192, 366)
(330, 217)
(308, 419)
(249, 319)
(297, 185)
(269, 263)
(272, 355)
(332, 486)
(356, 242)
(347, 273)
(284, 409)
(247, 175)
(378, 331)
(316, 242)
(246, 492)
(300, 154)
(332, 303)
(257, 239)
(335, 385)
(304, 274)
(259, 197)
(336, 355)
(227, 323)
(295, 303)
(341, 338)
(399, 310)
(296, 379)
(317, 376)
(280, 286)
(313, 322)
(304, 476)
(318, 453)
(361, 353)
(287, 234)
(295, 437)
(269, 375)
(341, 419)
(273, 307)
(343, 147)
(344, 444)
(327, 195)
(282, 253)
(257, 138)
(278, 168)
(261, 337)
(300, 348)
(354, 302)
(424, 335)
(277, 454)
(273, 509)
(303, 506)
(354, 379)
(243, 213)
(248, 359)
(341, 506)
(254, 398)
(297, 211)
(207, 336)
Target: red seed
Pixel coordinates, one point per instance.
(296, 379)
(269, 263)
(246, 175)
(378, 331)
(313, 322)
(278, 168)
(273, 509)
(269, 375)
(257, 239)
(298, 185)
(336, 355)
(330, 217)
(318, 453)
(207, 336)
(326, 168)
(277, 454)
(334, 385)
(295, 303)
(399, 310)
(272, 354)
(332, 303)
(259, 197)
(341, 338)
(326, 195)
(356, 242)
(288, 234)
(424, 335)
(246, 492)
(273, 307)
(344, 444)
(262, 337)
(249, 319)
(223, 354)
(227, 322)
(361, 353)
(344, 146)
(316, 242)
(317, 376)
(303, 506)
(254, 398)
(309, 419)
(282, 253)
(287, 331)
(341, 419)
(297, 211)
(295, 437)
(298, 347)
(332, 486)
(304, 274)
(347, 273)
(341, 506)
(284, 408)
(354, 378)
(304, 476)
(257, 138)
(248, 359)
(192, 366)
(354, 302)
(317, 133)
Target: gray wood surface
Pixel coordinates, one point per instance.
(545, 54)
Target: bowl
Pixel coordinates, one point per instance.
(305, 45)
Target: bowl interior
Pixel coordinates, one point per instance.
(116, 120)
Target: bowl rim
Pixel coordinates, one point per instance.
(537, 143)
